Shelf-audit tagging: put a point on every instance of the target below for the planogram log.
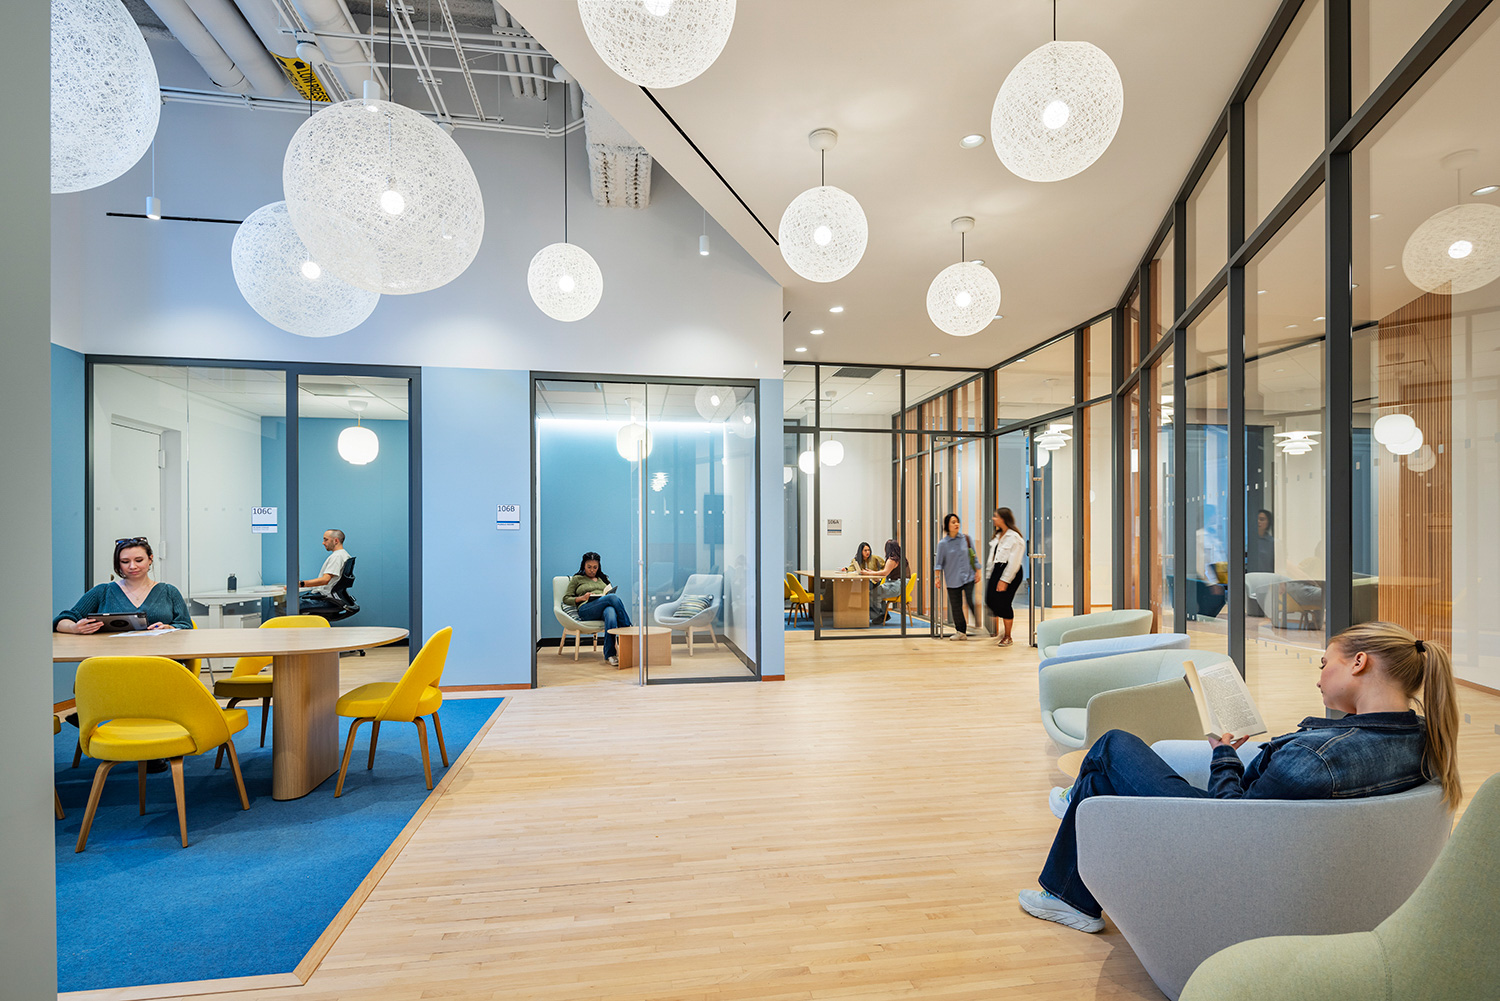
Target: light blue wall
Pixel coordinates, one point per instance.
(476, 454)
(368, 503)
(67, 495)
(772, 530)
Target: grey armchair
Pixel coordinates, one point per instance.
(1067, 692)
(711, 584)
(1052, 633)
(1183, 878)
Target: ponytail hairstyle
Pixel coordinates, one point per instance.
(585, 562)
(1423, 671)
(1009, 518)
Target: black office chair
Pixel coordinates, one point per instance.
(340, 604)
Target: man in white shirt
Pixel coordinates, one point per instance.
(322, 585)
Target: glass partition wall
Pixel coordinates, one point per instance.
(660, 479)
(196, 457)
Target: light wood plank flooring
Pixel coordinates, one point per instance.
(858, 831)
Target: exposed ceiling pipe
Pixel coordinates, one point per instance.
(239, 42)
(502, 20)
(187, 29)
(353, 62)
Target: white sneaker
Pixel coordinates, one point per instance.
(1041, 904)
(958, 636)
(614, 661)
(1058, 799)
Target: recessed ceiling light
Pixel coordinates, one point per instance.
(1319, 319)
(999, 316)
(1355, 285)
(1488, 189)
(1291, 326)
(969, 142)
(800, 350)
(935, 354)
(869, 392)
(1281, 370)
(1260, 291)
(835, 309)
(1390, 267)
(977, 261)
(1374, 215)
(818, 331)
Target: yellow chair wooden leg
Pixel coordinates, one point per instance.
(57, 805)
(94, 793)
(219, 758)
(239, 779)
(338, 790)
(77, 755)
(140, 781)
(422, 739)
(265, 714)
(437, 725)
(177, 788)
(374, 737)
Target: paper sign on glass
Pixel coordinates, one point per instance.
(262, 520)
(507, 517)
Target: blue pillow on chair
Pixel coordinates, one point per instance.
(691, 605)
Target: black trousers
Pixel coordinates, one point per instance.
(999, 602)
(958, 605)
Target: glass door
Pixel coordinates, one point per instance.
(1013, 491)
(1052, 530)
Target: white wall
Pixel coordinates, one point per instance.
(857, 491)
(166, 288)
(215, 472)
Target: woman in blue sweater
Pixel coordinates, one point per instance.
(134, 591)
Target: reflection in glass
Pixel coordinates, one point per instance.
(1037, 384)
(1163, 290)
(1206, 467)
(1098, 469)
(1098, 352)
(1208, 223)
(1161, 411)
(1284, 116)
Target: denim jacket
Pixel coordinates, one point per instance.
(1360, 755)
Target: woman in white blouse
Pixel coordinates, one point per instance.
(1003, 570)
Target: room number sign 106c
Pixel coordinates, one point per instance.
(508, 517)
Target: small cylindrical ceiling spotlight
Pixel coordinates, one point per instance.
(153, 207)
(703, 245)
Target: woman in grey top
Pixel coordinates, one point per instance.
(955, 569)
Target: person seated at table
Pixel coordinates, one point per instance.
(864, 559)
(134, 591)
(1373, 672)
(891, 572)
(586, 599)
(320, 598)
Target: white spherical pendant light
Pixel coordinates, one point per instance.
(106, 99)
(807, 461)
(358, 445)
(1456, 250)
(823, 231)
(1057, 111)
(714, 403)
(1407, 445)
(657, 43)
(1392, 429)
(786, 474)
(284, 284)
(383, 198)
(831, 452)
(630, 439)
(964, 298)
(742, 421)
(564, 281)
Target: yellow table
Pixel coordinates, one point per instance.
(304, 686)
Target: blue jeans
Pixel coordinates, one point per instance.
(1119, 764)
(611, 611)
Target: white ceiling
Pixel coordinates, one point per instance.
(262, 392)
(902, 83)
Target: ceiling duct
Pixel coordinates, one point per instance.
(853, 372)
(216, 34)
(619, 167)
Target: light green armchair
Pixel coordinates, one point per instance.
(1053, 633)
(1072, 693)
(1440, 944)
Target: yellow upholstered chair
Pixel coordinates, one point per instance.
(56, 799)
(798, 595)
(142, 708)
(405, 701)
(911, 591)
(251, 680)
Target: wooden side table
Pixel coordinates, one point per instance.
(658, 645)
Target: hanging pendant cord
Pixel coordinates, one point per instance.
(823, 167)
(1054, 20)
(390, 48)
(153, 168)
(963, 253)
(565, 173)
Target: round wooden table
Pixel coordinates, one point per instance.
(304, 683)
(658, 645)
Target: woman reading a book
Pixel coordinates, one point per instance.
(590, 596)
(1373, 672)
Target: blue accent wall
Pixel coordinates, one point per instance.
(772, 530)
(67, 494)
(368, 503)
(476, 454)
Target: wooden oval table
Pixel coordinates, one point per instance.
(304, 685)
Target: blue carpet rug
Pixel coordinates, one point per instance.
(254, 888)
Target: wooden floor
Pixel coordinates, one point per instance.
(858, 831)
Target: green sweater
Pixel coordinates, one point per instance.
(580, 584)
(163, 604)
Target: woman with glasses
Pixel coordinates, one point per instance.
(590, 596)
(133, 591)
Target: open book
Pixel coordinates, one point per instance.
(608, 590)
(1224, 703)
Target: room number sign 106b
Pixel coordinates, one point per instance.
(508, 517)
